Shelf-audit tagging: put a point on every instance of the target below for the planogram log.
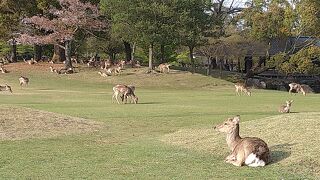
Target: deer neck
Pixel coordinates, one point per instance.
(233, 138)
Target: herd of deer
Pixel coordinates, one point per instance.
(250, 151)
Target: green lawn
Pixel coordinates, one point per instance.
(129, 145)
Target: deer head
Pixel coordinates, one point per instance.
(229, 125)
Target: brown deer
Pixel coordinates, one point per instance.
(23, 81)
(125, 91)
(242, 87)
(5, 88)
(298, 88)
(3, 70)
(53, 70)
(250, 151)
(114, 70)
(103, 74)
(31, 61)
(163, 67)
(286, 107)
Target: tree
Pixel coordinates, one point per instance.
(71, 17)
(194, 22)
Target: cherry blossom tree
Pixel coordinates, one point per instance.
(61, 27)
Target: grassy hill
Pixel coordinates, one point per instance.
(78, 133)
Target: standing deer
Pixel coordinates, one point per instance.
(250, 151)
(23, 81)
(298, 88)
(5, 88)
(242, 88)
(125, 91)
(286, 107)
(164, 66)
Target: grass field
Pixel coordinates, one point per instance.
(77, 133)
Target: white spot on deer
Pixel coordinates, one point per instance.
(253, 161)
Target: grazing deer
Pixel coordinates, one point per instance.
(5, 88)
(250, 151)
(103, 74)
(125, 91)
(242, 88)
(23, 81)
(31, 61)
(286, 107)
(298, 88)
(164, 66)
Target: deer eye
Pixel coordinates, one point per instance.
(225, 123)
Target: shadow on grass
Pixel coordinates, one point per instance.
(280, 152)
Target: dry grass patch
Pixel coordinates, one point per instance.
(293, 139)
(18, 123)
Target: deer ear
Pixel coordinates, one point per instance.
(291, 101)
(236, 119)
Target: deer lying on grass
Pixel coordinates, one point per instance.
(250, 151)
(23, 81)
(3, 70)
(31, 61)
(286, 107)
(103, 74)
(124, 91)
(297, 87)
(53, 70)
(242, 88)
(163, 67)
(114, 70)
(5, 88)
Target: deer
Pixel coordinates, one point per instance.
(103, 74)
(250, 151)
(164, 66)
(242, 87)
(298, 88)
(114, 70)
(3, 70)
(54, 70)
(31, 61)
(286, 107)
(23, 81)
(5, 88)
(125, 91)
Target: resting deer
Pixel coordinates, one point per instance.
(164, 66)
(103, 74)
(125, 91)
(53, 70)
(5, 88)
(114, 70)
(23, 81)
(297, 87)
(286, 107)
(242, 88)
(250, 151)
(3, 70)
(31, 61)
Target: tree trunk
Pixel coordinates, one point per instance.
(239, 65)
(128, 50)
(133, 50)
(209, 66)
(13, 57)
(58, 54)
(191, 59)
(150, 57)
(162, 53)
(68, 63)
(37, 52)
